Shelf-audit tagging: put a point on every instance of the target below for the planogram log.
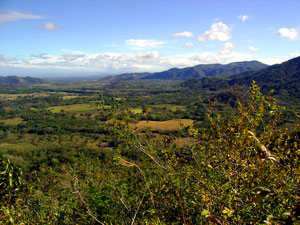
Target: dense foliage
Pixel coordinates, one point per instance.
(238, 164)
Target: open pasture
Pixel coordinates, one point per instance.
(13, 121)
(75, 108)
(174, 124)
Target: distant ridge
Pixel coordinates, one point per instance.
(11, 80)
(284, 78)
(199, 71)
(208, 70)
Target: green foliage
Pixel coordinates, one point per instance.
(10, 180)
(236, 166)
(241, 169)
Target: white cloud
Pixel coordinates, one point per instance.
(183, 34)
(71, 57)
(290, 33)
(40, 56)
(253, 49)
(226, 49)
(295, 54)
(15, 15)
(243, 17)
(189, 45)
(140, 44)
(49, 26)
(275, 60)
(7, 59)
(114, 62)
(218, 32)
(111, 62)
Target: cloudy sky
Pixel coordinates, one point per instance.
(84, 37)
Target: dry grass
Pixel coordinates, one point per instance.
(13, 121)
(166, 125)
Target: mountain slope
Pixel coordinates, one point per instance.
(10, 80)
(200, 71)
(283, 78)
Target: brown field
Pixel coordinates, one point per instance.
(166, 125)
(13, 121)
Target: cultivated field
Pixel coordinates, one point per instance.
(75, 108)
(13, 121)
(174, 124)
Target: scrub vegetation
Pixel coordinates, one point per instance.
(148, 153)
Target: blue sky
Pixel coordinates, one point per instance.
(76, 37)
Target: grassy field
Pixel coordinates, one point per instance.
(75, 108)
(136, 110)
(5, 97)
(13, 121)
(166, 125)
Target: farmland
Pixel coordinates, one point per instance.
(174, 124)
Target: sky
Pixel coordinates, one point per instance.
(103, 37)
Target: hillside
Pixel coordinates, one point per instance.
(283, 78)
(11, 80)
(208, 70)
(199, 71)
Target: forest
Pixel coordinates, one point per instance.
(148, 152)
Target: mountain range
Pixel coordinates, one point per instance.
(11, 80)
(199, 71)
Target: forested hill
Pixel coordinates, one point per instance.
(198, 71)
(10, 80)
(203, 70)
(283, 78)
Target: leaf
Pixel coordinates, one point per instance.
(205, 212)
(10, 179)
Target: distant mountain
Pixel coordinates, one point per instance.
(10, 80)
(284, 78)
(198, 71)
(207, 70)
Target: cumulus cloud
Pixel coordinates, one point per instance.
(290, 33)
(49, 26)
(253, 49)
(15, 15)
(226, 49)
(295, 54)
(111, 62)
(218, 32)
(140, 44)
(189, 45)
(183, 34)
(243, 17)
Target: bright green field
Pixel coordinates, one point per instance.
(136, 110)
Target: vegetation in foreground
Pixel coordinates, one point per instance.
(239, 168)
